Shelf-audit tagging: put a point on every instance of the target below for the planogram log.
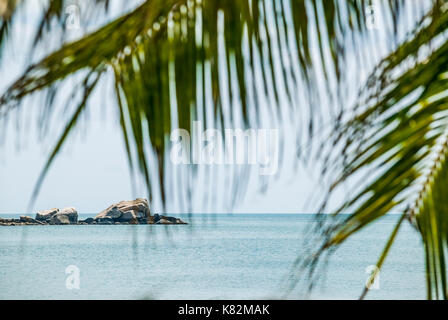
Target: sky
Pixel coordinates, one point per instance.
(92, 171)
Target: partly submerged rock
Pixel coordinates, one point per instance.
(164, 221)
(9, 222)
(45, 215)
(159, 219)
(126, 211)
(128, 216)
(29, 220)
(65, 216)
(86, 221)
(105, 220)
(59, 219)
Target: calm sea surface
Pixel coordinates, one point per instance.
(232, 257)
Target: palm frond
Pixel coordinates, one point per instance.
(56, 12)
(431, 211)
(391, 140)
(7, 11)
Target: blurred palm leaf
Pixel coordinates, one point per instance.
(394, 147)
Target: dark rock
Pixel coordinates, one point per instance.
(179, 221)
(89, 220)
(170, 219)
(105, 220)
(86, 221)
(26, 219)
(128, 216)
(163, 221)
(166, 220)
(143, 221)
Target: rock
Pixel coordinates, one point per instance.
(26, 219)
(71, 213)
(128, 216)
(125, 212)
(59, 219)
(139, 206)
(132, 210)
(141, 215)
(45, 215)
(111, 212)
(7, 224)
(164, 221)
(65, 216)
(8, 221)
(86, 221)
(171, 219)
(105, 220)
(143, 221)
(89, 220)
(159, 219)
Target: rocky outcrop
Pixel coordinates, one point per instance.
(159, 219)
(22, 221)
(132, 212)
(29, 220)
(124, 212)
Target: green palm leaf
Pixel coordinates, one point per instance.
(395, 147)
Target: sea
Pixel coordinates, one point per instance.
(239, 256)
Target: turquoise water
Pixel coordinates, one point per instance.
(232, 257)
